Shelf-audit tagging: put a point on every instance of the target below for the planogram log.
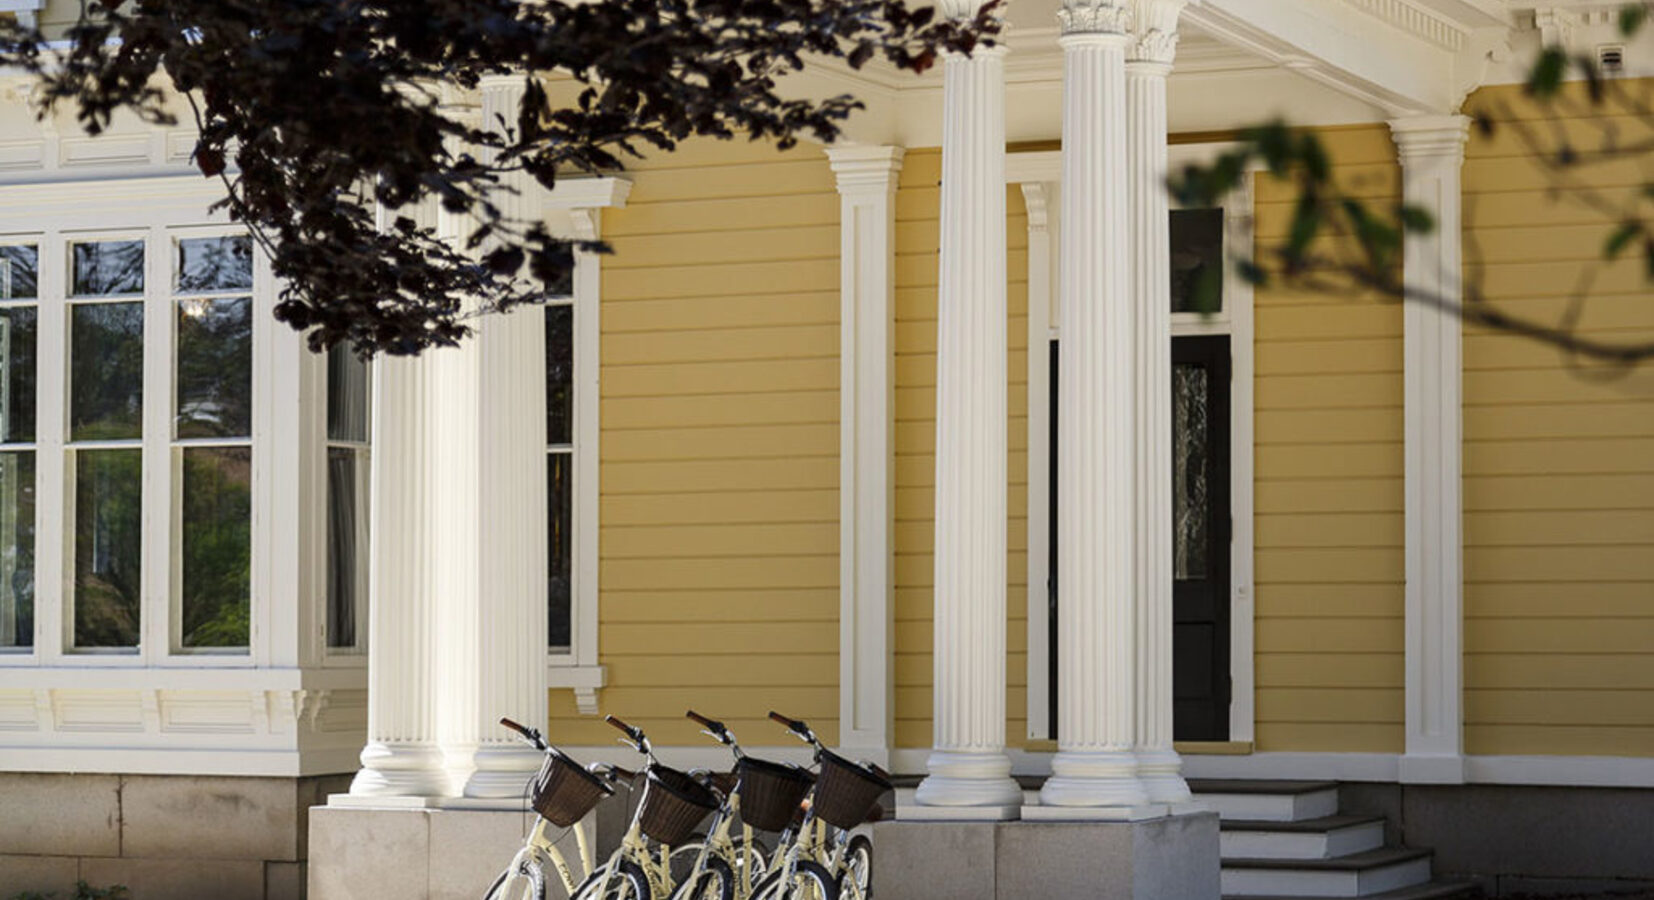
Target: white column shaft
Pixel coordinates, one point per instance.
(509, 443)
(867, 252)
(968, 766)
(1146, 72)
(1096, 725)
(1432, 153)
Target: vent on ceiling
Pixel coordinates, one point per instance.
(1611, 58)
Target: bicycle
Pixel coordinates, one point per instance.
(819, 859)
(760, 794)
(562, 794)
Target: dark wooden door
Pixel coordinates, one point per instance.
(1200, 538)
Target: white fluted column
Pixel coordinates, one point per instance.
(402, 756)
(1432, 153)
(1150, 61)
(509, 445)
(969, 771)
(1094, 773)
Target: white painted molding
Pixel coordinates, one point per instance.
(583, 680)
(588, 193)
(1432, 152)
(866, 178)
(1039, 196)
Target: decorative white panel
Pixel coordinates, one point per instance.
(207, 712)
(90, 710)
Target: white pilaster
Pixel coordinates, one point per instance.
(509, 448)
(867, 258)
(1432, 153)
(1094, 773)
(1149, 62)
(969, 771)
(402, 756)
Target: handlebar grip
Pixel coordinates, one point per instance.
(792, 724)
(520, 729)
(712, 725)
(616, 722)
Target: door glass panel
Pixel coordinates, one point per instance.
(559, 374)
(108, 522)
(1190, 475)
(1197, 260)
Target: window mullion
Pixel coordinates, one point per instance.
(54, 528)
(160, 502)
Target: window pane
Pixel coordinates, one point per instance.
(560, 494)
(1197, 260)
(108, 267)
(19, 273)
(563, 285)
(215, 264)
(559, 374)
(108, 520)
(345, 555)
(17, 549)
(106, 378)
(17, 368)
(347, 395)
(217, 546)
(1190, 446)
(215, 367)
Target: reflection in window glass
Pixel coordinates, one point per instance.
(216, 546)
(16, 549)
(17, 369)
(560, 495)
(19, 273)
(347, 395)
(215, 367)
(1197, 260)
(106, 371)
(346, 523)
(215, 264)
(559, 374)
(108, 268)
(108, 521)
(1190, 478)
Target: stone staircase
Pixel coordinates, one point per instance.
(1287, 839)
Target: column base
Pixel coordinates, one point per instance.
(1099, 779)
(502, 771)
(1160, 771)
(401, 770)
(1042, 813)
(962, 780)
(1431, 768)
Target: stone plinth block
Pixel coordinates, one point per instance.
(1167, 858)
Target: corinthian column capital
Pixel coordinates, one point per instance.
(1095, 17)
(1154, 34)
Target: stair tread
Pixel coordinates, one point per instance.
(1257, 786)
(1324, 823)
(1366, 859)
(1431, 890)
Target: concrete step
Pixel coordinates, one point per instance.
(1435, 890)
(1356, 875)
(1322, 838)
(1270, 801)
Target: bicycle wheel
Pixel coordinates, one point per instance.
(810, 881)
(717, 882)
(628, 884)
(857, 882)
(526, 882)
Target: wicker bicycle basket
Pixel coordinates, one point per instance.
(770, 792)
(564, 791)
(673, 804)
(845, 791)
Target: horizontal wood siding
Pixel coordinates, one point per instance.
(917, 205)
(720, 460)
(1328, 420)
(1559, 465)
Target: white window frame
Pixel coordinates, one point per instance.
(53, 216)
(574, 209)
(1039, 175)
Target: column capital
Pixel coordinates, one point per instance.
(1430, 137)
(1107, 17)
(863, 169)
(1155, 31)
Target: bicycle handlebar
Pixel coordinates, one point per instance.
(796, 726)
(632, 732)
(713, 725)
(529, 734)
